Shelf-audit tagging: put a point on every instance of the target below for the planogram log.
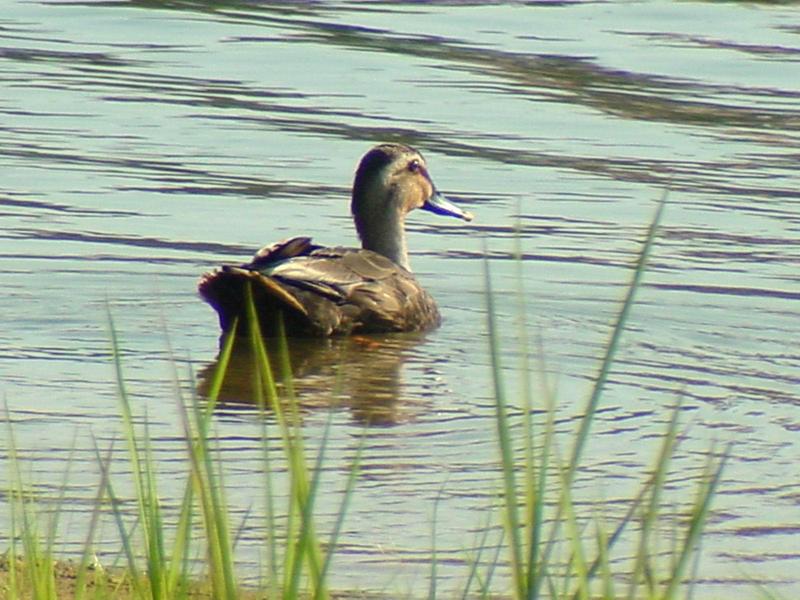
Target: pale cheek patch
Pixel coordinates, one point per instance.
(427, 190)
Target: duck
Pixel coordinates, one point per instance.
(317, 291)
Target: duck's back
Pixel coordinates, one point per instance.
(321, 292)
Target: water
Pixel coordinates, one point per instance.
(143, 143)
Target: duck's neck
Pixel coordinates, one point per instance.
(387, 236)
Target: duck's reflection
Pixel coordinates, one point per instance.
(362, 374)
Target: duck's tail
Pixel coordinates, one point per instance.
(226, 290)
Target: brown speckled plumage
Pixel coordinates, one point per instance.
(339, 291)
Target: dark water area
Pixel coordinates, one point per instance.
(143, 143)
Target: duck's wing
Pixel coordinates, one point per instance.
(349, 290)
(278, 252)
(321, 291)
(333, 272)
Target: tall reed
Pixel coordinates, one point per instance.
(299, 568)
(545, 477)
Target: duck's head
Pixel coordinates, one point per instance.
(390, 182)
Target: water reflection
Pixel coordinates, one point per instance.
(360, 373)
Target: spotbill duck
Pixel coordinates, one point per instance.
(320, 291)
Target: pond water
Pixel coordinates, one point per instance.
(142, 143)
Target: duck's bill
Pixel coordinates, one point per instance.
(440, 205)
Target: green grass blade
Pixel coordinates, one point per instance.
(535, 474)
(474, 562)
(698, 516)
(577, 562)
(125, 538)
(212, 506)
(651, 510)
(223, 361)
(504, 438)
(143, 478)
(487, 582)
(536, 563)
(604, 560)
(434, 559)
(616, 334)
(80, 580)
(178, 568)
(340, 515)
(273, 576)
(308, 547)
(16, 497)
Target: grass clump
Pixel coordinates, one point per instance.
(543, 478)
(158, 558)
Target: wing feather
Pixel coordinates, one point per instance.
(323, 291)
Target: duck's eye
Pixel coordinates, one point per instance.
(414, 166)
